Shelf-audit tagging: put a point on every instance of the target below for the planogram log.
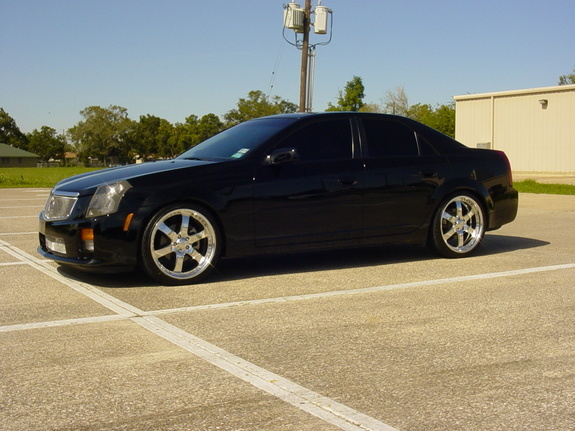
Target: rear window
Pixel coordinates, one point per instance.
(389, 138)
(443, 144)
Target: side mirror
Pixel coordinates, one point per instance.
(281, 156)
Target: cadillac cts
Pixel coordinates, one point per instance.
(281, 184)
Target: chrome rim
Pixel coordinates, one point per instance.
(183, 243)
(462, 224)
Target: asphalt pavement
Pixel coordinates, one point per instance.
(371, 339)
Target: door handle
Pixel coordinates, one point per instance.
(348, 182)
(427, 175)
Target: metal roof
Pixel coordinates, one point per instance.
(554, 89)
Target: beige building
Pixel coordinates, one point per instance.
(535, 127)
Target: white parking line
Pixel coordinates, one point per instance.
(13, 263)
(38, 196)
(66, 322)
(322, 407)
(25, 190)
(286, 390)
(21, 199)
(441, 281)
(298, 396)
(20, 206)
(277, 300)
(91, 292)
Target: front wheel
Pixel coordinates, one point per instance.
(458, 226)
(180, 245)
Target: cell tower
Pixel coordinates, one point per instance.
(299, 20)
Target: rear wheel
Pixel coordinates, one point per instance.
(180, 245)
(458, 226)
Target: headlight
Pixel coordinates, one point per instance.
(60, 205)
(107, 199)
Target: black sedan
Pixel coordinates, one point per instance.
(281, 184)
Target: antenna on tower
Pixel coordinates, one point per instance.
(299, 20)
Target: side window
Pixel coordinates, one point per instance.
(324, 140)
(388, 138)
(425, 148)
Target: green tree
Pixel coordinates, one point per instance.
(104, 134)
(143, 137)
(208, 126)
(47, 144)
(179, 140)
(422, 112)
(445, 119)
(442, 118)
(370, 107)
(256, 105)
(191, 137)
(567, 79)
(163, 140)
(351, 98)
(10, 134)
(181, 137)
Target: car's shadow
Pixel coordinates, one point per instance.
(278, 264)
(499, 244)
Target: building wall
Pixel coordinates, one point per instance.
(536, 137)
(18, 162)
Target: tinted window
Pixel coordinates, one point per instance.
(325, 140)
(388, 138)
(425, 149)
(441, 143)
(238, 141)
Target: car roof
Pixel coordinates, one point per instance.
(332, 113)
(441, 141)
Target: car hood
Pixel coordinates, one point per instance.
(84, 184)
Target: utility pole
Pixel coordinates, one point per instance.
(303, 82)
(299, 20)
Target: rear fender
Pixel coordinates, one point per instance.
(468, 185)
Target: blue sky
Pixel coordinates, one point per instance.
(174, 58)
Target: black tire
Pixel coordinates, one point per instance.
(458, 226)
(180, 245)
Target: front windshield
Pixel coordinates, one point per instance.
(238, 141)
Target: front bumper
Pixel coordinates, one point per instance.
(89, 265)
(112, 249)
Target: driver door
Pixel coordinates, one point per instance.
(315, 199)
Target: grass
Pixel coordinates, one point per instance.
(37, 177)
(532, 186)
(48, 177)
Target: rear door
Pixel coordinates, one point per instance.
(317, 198)
(401, 175)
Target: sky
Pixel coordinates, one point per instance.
(175, 58)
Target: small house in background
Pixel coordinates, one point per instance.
(534, 127)
(11, 157)
(71, 159)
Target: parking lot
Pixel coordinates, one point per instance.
(371, 339)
